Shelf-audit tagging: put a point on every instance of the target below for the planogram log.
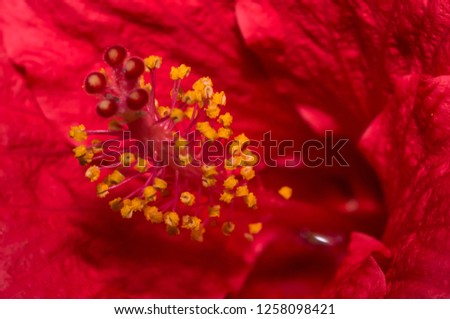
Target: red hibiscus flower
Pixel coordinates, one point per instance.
(371, 72)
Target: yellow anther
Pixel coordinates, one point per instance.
(207, 131)
(202, 83)
(144, 85)
(214, 211)
(171, 219)
(153, 215)
(131, 206)
(204, 87)
(187, 198)
(79, 151)
(96, 146)
(219, 98)
(189, 113)
(209, 171)
(230, 182)
(185, 158)
(254, 228)
(153, 62)
(191, 222)
(181, 142)
(137, 204)
(86, 158)
(141, 165)
(228, 228)
(180, 72)
(191, 97)
(126, 210)
(78, 133)
(225, 119)
(163, 111)
(285, 192)
(241, 139)
(115, 178)
(116, 204)
(242, 191)
(208, 92)
(102, 190)
(249, 158)
(247, 172)
(197, 234)
(93, 173)
(159, 183)
(208, 181)
(233, 162)
(234, 148)
(212, 111)
(127, 159)
(250, 200)
(224, 133)
(176, 115)
(182, 149)
(149, 193)
(226, 197)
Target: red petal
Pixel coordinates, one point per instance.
(410, 144)
(359, 275)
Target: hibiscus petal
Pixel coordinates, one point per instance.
(322, 54)
(359, 274)
(409, 143)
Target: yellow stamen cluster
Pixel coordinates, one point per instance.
(165, 194)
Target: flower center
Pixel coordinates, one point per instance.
(180, 165)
